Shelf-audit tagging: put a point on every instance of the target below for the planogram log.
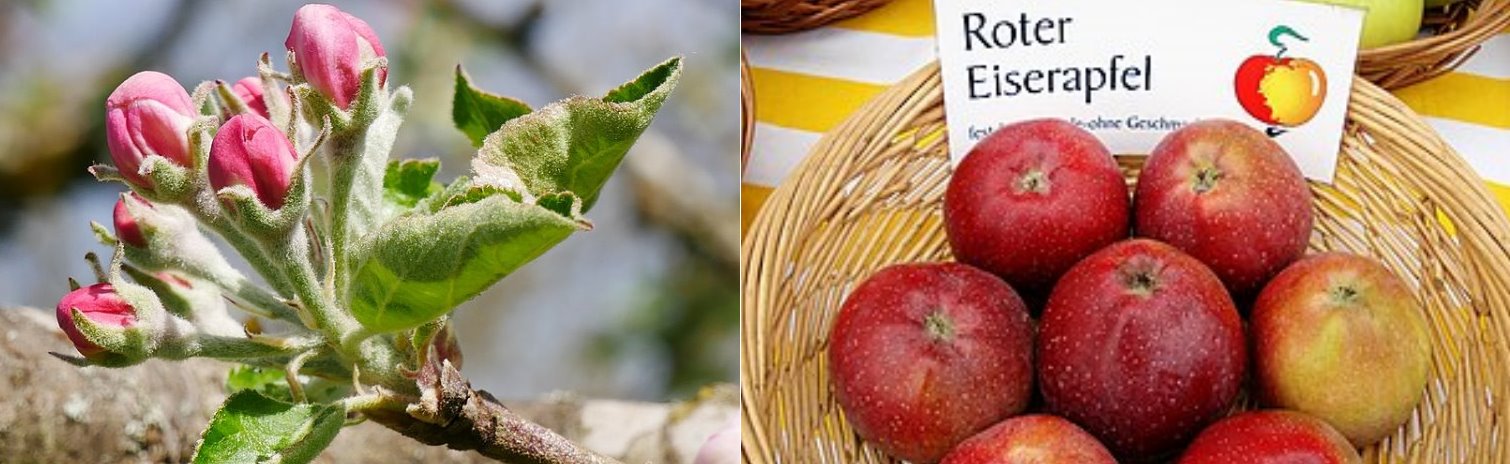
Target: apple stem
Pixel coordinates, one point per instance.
(1140, 281)
(1140, 277)
(1344, 294)
(939, 327)
(1205, 179)
(1034, 181)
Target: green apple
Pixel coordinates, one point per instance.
(1387, 21)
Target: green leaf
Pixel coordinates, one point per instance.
(251, 428)
(421, 265)
(409, 181)
(478, 113)
(269, 382)
(574, 145)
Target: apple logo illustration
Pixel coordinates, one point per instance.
(1281, 91)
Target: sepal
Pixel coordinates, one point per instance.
(174, 241)
(278, 109)
(102, 234)
(199, 302)
(232, 103)
(271, 224)
(204, 99)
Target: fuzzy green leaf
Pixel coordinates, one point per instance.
(251, 428)
(243, 377)
(421, 265)
(478, 113)
(409, 181)
(574, 145)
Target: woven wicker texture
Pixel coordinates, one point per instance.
(785, 16)
(1456, 30)
(870, 194)
(746, 109)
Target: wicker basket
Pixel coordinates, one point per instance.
(1457, 30)
(870, 194)
(746, 109)
(784, 16)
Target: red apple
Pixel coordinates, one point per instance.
(1031, 439)
(1229, 196)
(1141, 345)
(1032, 199)
(925, 355)
(1340, 337)
(1270, 437)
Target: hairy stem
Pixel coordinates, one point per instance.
(247, 293)
(341, 191)
(205, 208)
(294, 253)
(377, 360)
(260, 259)
(449, 412)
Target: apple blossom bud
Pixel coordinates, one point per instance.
(722, 447)
(148, 114)
(329, 48)
(101, 305)
(249, 90)
(174, 280)
(126, 227)
(250, 151)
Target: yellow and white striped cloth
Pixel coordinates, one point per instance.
(807, 83)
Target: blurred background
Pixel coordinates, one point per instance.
(644, 306)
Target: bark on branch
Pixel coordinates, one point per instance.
(449, 412)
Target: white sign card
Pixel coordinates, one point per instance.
(1130, 72)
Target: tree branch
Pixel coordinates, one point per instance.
(449, 412)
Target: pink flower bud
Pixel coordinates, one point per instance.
(722, 447)
(126, 227)
(101, 305)
(149, 114)
(174, 280)
(250, 151)
(249, 90)
(329, 47)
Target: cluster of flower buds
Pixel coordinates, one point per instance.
(175, 150)
(150, 115)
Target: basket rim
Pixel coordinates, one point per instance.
(789, 16)
(1483, 19)
(747, 108)
(1398, 65)
(1487, 224)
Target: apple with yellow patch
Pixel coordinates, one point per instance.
(1340, 337)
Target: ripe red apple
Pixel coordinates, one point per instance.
(1340, 337)
(1031, 439)
(1032, 199)
(925, 355)
(1270, 437)
(1141, 345)
(1229, 196)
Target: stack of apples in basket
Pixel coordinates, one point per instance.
(1082, 324)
